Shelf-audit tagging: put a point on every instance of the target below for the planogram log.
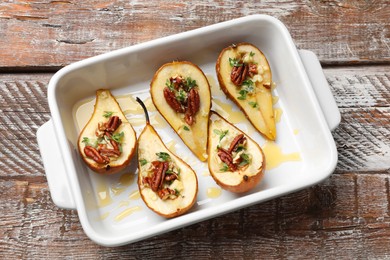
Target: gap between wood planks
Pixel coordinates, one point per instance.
(324, 64)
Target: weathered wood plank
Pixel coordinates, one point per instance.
(343, 216)
(46, 34)
(357, 87)
(23, 109)
(363, 140)
(363, 97)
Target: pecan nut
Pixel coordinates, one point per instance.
(159, 175)
(193, 103)
(113, 123)
(114, 143)
(166, 193)
(171, 177)
(189, 118)
(92, 153)
(227, 158)
(172, 101)
(267, 85)
(239, 74)
(110, 152)
(239, 139)
(177, 81)
(102, 154)
(252, 69)
(107, 152)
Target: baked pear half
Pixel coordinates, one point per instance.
(107, 142)
(181, 93)
(167, 185)
(236, 162)
(245, 76)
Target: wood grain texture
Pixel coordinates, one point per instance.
(363, 137)
(23, 109)
(46, 34)
(315, 223)
(347, 216)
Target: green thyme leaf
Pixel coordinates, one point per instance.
(221, 133)
(224, 168)
(247, 88)
(163, 156)
(118, 137)
(186, 128)
(143, 162)
(101, 140)
(243, 94)
(245, 159)
(235, 62)
(169, 84)
(108, 114)
(248, 84)
(253, 104)
(240, 148)
(190, 83)
(251, 54)
(89, 142)
(181, 95)
(177, 192)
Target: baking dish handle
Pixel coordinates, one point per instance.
(321, 88)
(54, 167)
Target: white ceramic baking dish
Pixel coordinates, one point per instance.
(309, 114)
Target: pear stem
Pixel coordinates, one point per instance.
(145, 110)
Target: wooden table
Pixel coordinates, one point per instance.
(347, 216)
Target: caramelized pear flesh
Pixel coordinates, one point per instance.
(167, 185)
(181, 93)
(107, 142)
(236, 162)
(245, 77)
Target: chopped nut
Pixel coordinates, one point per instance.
(172, 101)
(239, 74)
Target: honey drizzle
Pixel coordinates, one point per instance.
(274, 155)
(124, 181)
(126, 213)
(135, 195)
(278, 114)
(105, 191)
(103, 194)
(214, 192)
(226, 111)
(104, 216)
(214, 87)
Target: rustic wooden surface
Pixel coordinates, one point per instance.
(347, 216)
